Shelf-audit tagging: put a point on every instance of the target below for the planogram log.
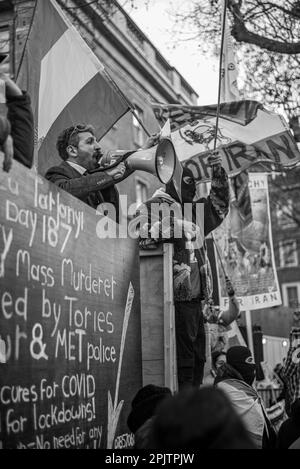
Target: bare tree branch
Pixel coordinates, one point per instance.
(242, 33)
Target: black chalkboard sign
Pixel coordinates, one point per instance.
(70, 345)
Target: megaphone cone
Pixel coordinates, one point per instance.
(159, 160)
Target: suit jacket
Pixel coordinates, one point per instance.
(93, 189)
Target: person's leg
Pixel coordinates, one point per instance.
(186, 328)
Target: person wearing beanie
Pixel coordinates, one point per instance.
(192, 280)
(240, 358)
(236, 378)
(143, 409)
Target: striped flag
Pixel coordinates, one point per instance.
(247, 134)
(66, 81)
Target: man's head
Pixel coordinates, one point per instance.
(188, 187)
(241, 360)
(79, 144)
(144, 404)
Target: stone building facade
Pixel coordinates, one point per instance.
(136, 66)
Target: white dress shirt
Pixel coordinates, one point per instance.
(78, 167)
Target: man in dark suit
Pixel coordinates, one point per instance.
(80, 152)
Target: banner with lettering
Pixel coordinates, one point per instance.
(247, 134)
(69, 321)
(246, 250)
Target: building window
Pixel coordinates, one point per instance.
(288, 253)
(141, 191)
(285, 215)
(138, 132)
(291, 294)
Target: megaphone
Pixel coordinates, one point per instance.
(159, 160)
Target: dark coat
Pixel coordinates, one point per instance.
(215, 209)
(93, 189)
(20, 115)
(290, 429)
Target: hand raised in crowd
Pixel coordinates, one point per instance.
(6, 144)
(151, 141)
(214, 158)
(191, 230)
(296, 318)
(229, 287)
(12, 88)
(8, 148)
(118, 172)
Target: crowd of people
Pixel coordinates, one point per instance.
(229, 412)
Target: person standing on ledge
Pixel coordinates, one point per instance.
(192, 280)
(80, 151)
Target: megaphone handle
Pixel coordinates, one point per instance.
(119, 160)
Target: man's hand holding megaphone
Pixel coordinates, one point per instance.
(119, 171)
(151, 141)
(156, 156)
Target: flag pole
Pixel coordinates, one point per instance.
(249, 331)
(219, 255)
(131, 107)
(220, 72)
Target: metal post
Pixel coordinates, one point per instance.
(249, 331)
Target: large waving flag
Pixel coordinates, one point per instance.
(247, 134)
(66, 81)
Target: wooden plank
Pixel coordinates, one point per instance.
(169, 321)
(157, 317)
(152, 318)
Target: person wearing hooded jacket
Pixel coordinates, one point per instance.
(191, 271)
(236, 378)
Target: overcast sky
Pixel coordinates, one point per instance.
(155, 22)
